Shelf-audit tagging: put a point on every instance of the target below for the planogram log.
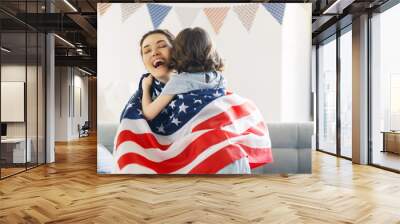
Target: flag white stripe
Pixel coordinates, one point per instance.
(136, 169)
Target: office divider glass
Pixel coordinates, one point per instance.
(31, 100)
(22, 88)
(327, 95)
(346, 95)
(41, 107)
(385, 89)
(14, 151)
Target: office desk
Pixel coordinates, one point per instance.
(16, 147)
(391, 141)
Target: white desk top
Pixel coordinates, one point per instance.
(13, 140)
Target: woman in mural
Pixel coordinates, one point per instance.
(201, 131)
(155, 49)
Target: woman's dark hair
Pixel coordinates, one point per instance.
(166, 33)
(193, 52)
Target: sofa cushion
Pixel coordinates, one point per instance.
(106, 134)
(305, 131)
(285, 161)
(283, 135)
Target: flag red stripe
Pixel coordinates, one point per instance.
(218, 160)
(145, 140)
(257, 156)
(259, 129)
(148, 140)
(226, 118)
(195, 148)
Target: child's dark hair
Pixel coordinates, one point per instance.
(166, 33)
(193, 52)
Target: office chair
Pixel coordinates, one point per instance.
(84, 130)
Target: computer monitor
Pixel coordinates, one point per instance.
(3, 129)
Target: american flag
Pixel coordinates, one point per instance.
(199, 132)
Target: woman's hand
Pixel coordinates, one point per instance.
(146, 82)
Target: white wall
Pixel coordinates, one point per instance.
(296, 64)
(270, 64)
(61, 103)
(80, 83)
(69, 79)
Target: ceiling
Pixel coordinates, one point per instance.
(76, 22)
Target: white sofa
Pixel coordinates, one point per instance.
(291, 147)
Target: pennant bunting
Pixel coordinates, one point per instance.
(103, 7)
(216, 16)
(187, 15)
(127, 9)
(277, 10)
(158, 13)
(246, 14)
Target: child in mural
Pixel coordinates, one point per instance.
(198, 66)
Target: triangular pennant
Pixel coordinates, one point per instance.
(246, 14)
(277, 10)
(187, 15)
(102, 7)
(127, 9)
(158, 13)
(216, 16)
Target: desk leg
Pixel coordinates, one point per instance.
(384, 143)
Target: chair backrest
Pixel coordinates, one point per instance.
(86, 125)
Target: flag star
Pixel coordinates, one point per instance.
(171, 116)
(182, 108)
(157, 82)
(139, 111)
(217, 94)
(164, 111)
(180, 96)
(172, 104)
(192, 94)
(157, 92)
(176, 121)
(198, 101)
(161, 128)
(129, 105)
